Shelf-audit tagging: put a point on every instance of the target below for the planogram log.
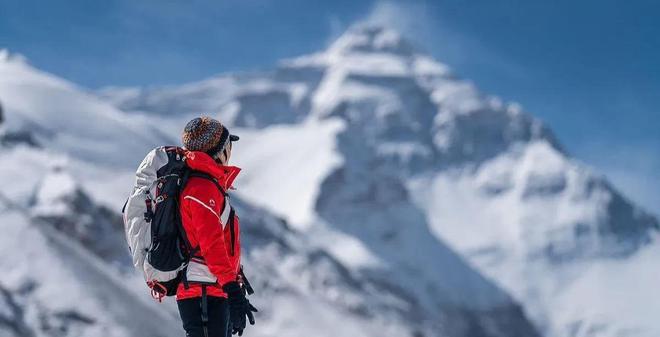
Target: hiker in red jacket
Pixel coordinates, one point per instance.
(212, 299)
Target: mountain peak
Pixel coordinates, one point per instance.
(372, 38)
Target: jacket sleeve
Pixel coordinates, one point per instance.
(205, 205)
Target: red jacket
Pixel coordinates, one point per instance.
(205, 216)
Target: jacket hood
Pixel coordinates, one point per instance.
(200, 161)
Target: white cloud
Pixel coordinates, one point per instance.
(412, 19)
(424, 24)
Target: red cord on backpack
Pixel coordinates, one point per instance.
(158, 291)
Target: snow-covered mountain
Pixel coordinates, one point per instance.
(376, 141)
(76, 123)
(62, 250)
(68, 162)
(52, 286)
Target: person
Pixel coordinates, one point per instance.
(211, 300)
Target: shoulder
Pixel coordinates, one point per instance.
(201, 185)
(204, 190)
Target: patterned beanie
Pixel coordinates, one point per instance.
(206, 134)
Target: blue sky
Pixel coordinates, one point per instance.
(590, 69)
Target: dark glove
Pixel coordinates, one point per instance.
(239, 307)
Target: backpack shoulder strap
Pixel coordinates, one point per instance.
(184, 180)
(192, 251)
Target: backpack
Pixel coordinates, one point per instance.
(152, 221)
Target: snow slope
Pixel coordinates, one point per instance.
(54, 287)
(76, 308)
(76, 123)
(544, 226)
(609, 289)
(425, 159)
(284, 149)
(55, 190)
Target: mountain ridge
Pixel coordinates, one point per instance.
(487, 178)
(52, 180)
(424, 176)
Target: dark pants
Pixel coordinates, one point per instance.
(218, 317)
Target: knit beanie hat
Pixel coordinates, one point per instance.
(206, 134)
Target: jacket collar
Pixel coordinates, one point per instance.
(200, 161)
